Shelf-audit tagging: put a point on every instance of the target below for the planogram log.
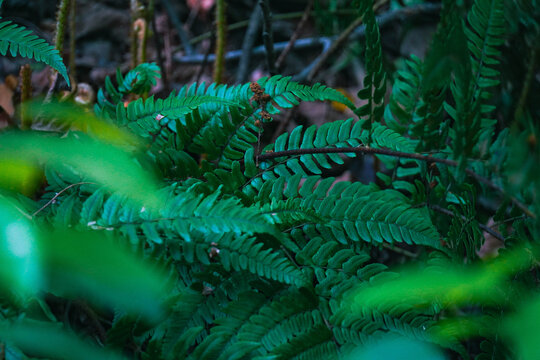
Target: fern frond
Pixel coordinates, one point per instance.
(485, 33)
(21, 41)
(375, 79)
(286, 93)
(181, 216)
(354, 213)
(247, 254)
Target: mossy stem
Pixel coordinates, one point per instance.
(59, 34)
(221, 29)
(72, 40)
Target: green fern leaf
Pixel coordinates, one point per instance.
(286, 93)
(375, 79)
(21, 41)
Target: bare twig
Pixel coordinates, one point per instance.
(182, 34)
(295, 36)
(268, 36)
(341, 39)
(283, 124)
(72, 39)
(399, 154)
(247, 45)
(526, 84)
(487, 229)
(399, 250)
(308, 43)
(204, 62)
(58, 194)
(157, 44)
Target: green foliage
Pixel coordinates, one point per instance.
(180, 225)
(20, 41)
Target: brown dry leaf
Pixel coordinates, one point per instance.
(6, 99)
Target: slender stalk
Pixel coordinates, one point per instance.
(58, 194)
(487, 229)
(268, 36)
(134, 31)
(157, 44)
(59, 35)
(295, 36)
(26, 95)
(247, 45)
(342, 38)
(221, 28)
(526, 84)
(184, 39)
(72, 40)
(61, 19)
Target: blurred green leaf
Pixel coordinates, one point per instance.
(523, 330)
(102, 163)
(449, 285)
(78, 118)
(91, 265)
(19, 176)
(19, 253)
(70, 263)
(396, 347)
(41, 339)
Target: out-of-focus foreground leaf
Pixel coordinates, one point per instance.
(451, 285)
(102, 163)
(70, 263)
(78, 118)
(396, 347)
(40, 339)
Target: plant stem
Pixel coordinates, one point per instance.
(58, 194)
(268, 36)
(341, 39)
(221, 25)
(294, 37)
(72, 40)
(26, 94)
(60, 32)
(184, 39)
(527, 84)
(487, 229)
(247, 45)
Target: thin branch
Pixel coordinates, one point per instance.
(268, 36)
(243, 24)
(309, 43)
(182, 34)
(399, 154)
(247, 45)
(487, 229)
(340, 40)
(399, 250)
(157, 45)
(526, 84)
(295, 36)
(58, 194)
